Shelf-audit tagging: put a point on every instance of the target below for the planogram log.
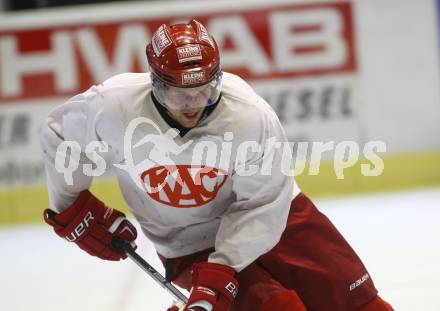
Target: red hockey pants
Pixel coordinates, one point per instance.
(312, 260)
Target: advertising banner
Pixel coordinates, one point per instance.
(300, 57)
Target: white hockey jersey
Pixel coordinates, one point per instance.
(220, 185)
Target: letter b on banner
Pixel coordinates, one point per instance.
(308, 39)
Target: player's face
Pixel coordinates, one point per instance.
(187, 98)
(186, 105)
(187, 117)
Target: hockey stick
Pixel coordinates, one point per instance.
(120, 244)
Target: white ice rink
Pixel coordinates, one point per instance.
(397, 236)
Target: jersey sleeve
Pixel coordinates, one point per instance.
(72, 122)
(253, 224)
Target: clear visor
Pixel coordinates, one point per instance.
(179, 98)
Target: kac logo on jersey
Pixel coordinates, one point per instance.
(183, 186)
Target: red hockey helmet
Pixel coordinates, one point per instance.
(184, 56)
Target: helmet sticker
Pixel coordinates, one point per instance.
(161, 40)
(189, 78)
(203, 33)
(189, 52)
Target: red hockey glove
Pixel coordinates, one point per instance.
(92, 225)
(176, 308)
(214, 287)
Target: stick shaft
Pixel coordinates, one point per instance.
(131, 253)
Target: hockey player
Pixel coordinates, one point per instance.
(208, 190)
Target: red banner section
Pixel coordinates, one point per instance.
(257, 44)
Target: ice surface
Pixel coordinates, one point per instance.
(397, 236)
